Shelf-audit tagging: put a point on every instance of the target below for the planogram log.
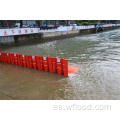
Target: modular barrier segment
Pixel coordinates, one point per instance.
(54, 65)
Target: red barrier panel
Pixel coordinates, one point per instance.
(59, 66)
(72, 70)
(12, 60)
(30, 57)
(50, 63)
(41, 63)
(5, 57)
(30, 61)
(34, 62)
(8, 58)
(54, 62)
(45, 62)
(20, 60)
(33, 59)
(16, 58)
(65, 67)
(24, 60)
(37, 61)
(1, 56)
(34, 65)
(27, 60)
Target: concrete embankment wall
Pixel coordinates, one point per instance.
(66, 34)
(59, 34)
(87, 31)
(19, 39)
(41, 37)
(26, 38)
(7, 40)
(111, 28)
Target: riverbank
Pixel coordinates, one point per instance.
(49, 36)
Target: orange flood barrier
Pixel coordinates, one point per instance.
(54, 65)
(72, 70)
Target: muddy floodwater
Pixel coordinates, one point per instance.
(97, 56)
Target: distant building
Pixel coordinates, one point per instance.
(30, 23)
(6, 23)
(21, 24)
